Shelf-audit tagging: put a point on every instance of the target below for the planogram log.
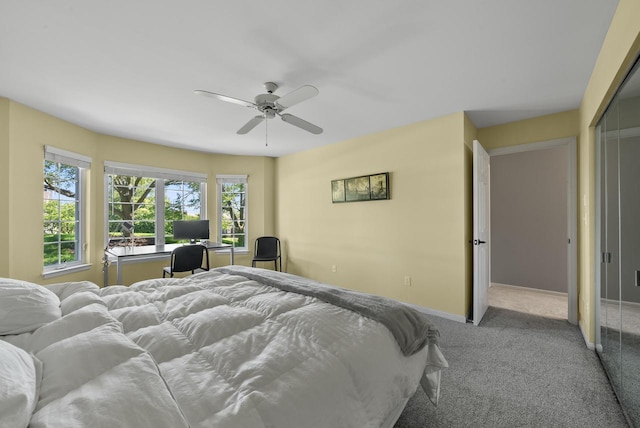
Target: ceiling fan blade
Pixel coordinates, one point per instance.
(297, 96)
(301, 123)
(250, 125)
(225, 98)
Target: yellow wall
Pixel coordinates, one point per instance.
(5, 189)
(420, 232)
(619, 50)
(543, 128)
(30, 130)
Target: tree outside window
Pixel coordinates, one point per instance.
(131, 210)
(141, 210)
(60, 213)
(62, 208)
(232, 205)
(182, 201)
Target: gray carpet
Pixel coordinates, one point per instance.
(516, 370)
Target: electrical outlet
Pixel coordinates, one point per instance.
(407, 280)
(334, 268)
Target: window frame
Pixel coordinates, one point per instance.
(160, 175)
(83, 164)
(234, 179)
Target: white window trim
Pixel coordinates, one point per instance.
(55, 154)
(83, 163)
(120, 168)
(65, 270)
(236, 179)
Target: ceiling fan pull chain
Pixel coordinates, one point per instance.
(266, 133)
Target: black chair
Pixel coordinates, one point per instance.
(267, 249)
(187, 258)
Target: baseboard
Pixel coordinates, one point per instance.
(533, 290)
(590, 345)
(436, 313)
(626, 303)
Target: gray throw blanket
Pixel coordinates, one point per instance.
(411, 328)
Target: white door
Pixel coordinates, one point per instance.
(481, 232)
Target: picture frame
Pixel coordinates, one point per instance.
(337, 191)
(379, 185)
(361, 188)
(357, 189)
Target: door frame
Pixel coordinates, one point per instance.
(598, 250)
(572, 220)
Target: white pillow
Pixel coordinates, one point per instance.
(20, 375)
(25, 306)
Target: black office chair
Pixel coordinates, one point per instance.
(267, 249)
(187, 258)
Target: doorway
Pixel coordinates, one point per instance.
(534, 228)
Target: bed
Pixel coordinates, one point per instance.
(231, 347)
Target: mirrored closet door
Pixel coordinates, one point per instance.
(618, 176)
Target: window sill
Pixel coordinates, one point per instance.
(65, 270)
(236, 251)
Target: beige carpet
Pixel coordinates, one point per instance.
(621, 316)
(528, 300)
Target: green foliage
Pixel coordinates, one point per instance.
(59, 217)
(133, 199)
(59, 213)
(233, 214)
(66, 248)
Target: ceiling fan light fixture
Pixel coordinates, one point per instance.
(270, 87)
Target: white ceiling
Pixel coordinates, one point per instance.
(129, 68)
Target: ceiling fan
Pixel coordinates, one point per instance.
(270, 105)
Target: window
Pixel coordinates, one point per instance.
(232, 210)
(143, 202)
(63, 209)
(181, 202)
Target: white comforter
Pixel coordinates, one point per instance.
(216, 350)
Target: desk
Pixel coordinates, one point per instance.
(151, 251)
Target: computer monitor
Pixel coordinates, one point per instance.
(191, 229)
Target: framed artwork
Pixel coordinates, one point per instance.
(357, 189)
(379, 184)
(363, 188)
(337, 191)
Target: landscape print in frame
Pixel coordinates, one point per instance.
(379, 184)
(363, 188)
(337, 191)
